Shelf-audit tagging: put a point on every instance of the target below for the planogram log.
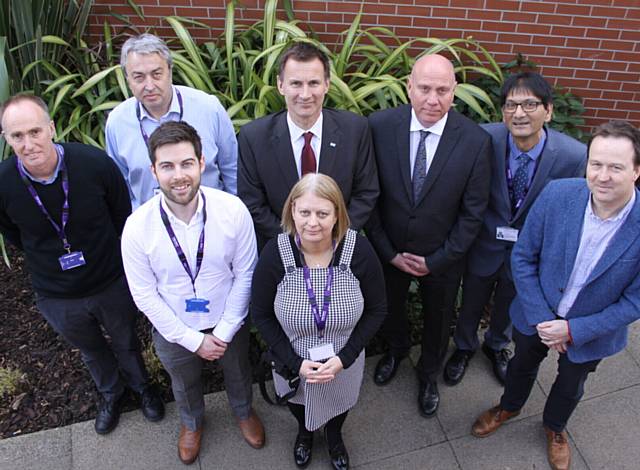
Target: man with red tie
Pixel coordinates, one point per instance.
(276, 150)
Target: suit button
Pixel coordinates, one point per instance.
(561, 290)
(553, 310)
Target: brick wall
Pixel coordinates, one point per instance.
(590, 47)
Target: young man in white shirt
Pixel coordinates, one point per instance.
(189, 255)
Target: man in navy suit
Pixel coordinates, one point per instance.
(276, 150)
(434, 166)
(576, 268)
(526, 156)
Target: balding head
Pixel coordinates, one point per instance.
(431, 86)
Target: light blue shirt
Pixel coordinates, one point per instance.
(596, 235)
(52, 178)
(534, 153)
(126, 146)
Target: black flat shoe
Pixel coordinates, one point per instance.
(499, 361)
(456, 366)
(151, 405)
(108, 415)
(302, 450)
(338, 454)
(386, 369)
(428, 398)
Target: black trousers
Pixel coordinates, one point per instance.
(438, 297)
(79, 321)
(567, 389)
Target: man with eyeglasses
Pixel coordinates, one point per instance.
(526, 156)
(147, 63)
(65, 206)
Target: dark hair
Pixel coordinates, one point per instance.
(23, 97)
(527, 81)
(620, 129)
(172, 132)
(304, 52)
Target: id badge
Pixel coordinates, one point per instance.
(72, 260)
(196, 305)
(507, 234)
(320, 353)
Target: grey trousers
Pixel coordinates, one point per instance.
(185, 369)
(79, 321)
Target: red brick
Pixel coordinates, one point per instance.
(479, 4)
(549, 40)
(627, 105)
(605, 84)
(501, 5)
(341, 6)
(396, 20)
(484, 36)
(561, 51)
(630, 35)
(574, 82)
(555, 19)
(499, 47)
(556, 72)
(568, 31)
(532, 50)
(465, 24)
(623, 76)
(451, 13)
(603, 33)
(492, 15)
(546, 60)
(542, 7)
(573, 10)
(609, 12)
(618, 45)
(594, 74)
(610, 65)
(583, 43)
(577, 63)
(414, 10)
(627, 56)
(430, 22)
(530, 28)
(301, 5)
(596, 103)
(633, 67)
(386, 9)
(515, 38)
(159, 11)
(621, 95)
(611, 114)
(518, 17)
(589, 21)
(589, 93)
(498, 26)
(623, 24)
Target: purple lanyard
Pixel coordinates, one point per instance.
(319, 317)
(139, 116)
(65, 189)
(176, 243)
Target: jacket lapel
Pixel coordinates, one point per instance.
(403, 136)
(330, 147)
(573, 229)
(281, 142)
(500, 154)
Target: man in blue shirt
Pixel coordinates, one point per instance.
(147, 63)
(576, 272)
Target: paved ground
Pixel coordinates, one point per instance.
(384, 431)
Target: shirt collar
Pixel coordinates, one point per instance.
(197, 216)
(173, 108)
(437, 128)
(296, 132)
(534, 153)
(622, 214)
(59, 155)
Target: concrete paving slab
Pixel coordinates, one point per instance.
(633, 344)
(436, 457)
(135, 444)
(606, 430)
(519, 445)
(45, 450)
(613, 373)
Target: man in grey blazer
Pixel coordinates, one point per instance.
(526, 156)
(577, 273)
(276, 150)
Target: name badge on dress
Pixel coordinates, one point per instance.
(196, 305)
(320, 353)
(507, 234)
(72, 260)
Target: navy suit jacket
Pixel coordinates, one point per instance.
(562, 157)
(267, 169)
(543, 259)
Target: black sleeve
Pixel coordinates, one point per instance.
(266, 277)
(9, 230)
(367, 269)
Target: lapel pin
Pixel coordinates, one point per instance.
(332, 144)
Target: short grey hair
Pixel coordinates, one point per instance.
(145, 44)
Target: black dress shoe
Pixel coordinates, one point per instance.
(338, 454)
(302, 450)
(151, 405)
(499, 361)
(456, 366)
(386, 369)
(108, 415)
(428, 398)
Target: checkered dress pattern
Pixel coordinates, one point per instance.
(291, 305)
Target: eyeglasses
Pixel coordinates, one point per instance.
(528, 106)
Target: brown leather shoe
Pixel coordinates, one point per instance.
(489, 421)
(252, 430)
(189, 444)
(558, 451)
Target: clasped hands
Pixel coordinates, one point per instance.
(318, 372)
(411, 264)
(554, 334)
(211, 348)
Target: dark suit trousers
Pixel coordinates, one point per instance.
(476, 292)
(567, 389)
(438, 300)
(79, 321)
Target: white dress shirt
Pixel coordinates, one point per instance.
(159, 283)
(431, 141)
(297, 141)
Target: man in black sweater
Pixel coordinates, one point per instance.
(65, 206)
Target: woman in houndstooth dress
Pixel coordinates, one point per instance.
(318, 241)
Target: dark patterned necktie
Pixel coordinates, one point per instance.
(520, 180)
(420, 166)
(308, 157)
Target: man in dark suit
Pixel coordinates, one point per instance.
(275, 151)
(434, 167)
(526, 156)
(576, 271)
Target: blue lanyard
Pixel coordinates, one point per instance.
(139, 116)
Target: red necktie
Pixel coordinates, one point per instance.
(308, 157)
